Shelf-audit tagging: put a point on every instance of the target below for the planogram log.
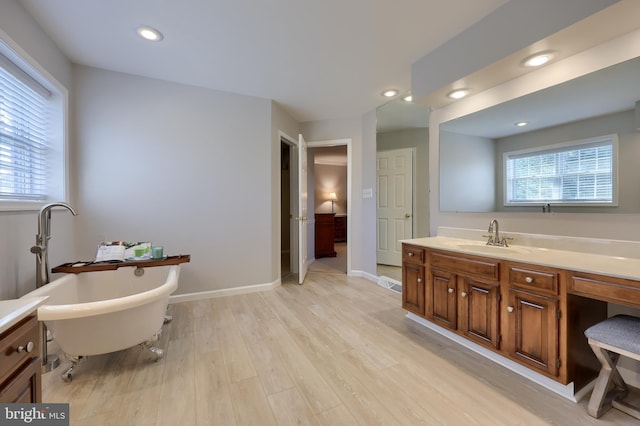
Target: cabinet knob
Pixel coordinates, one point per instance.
(463, 294)
(410, 254)
(419, 279)
(450, 290)
(28, 348)
(509, 308)
(529, 280)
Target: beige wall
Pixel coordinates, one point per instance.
(180, 166)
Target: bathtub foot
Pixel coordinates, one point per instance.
(159, 353)
(150, 345)
(168, 319)
(67, 375)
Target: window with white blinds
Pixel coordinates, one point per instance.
(31, 140)
(574, 173)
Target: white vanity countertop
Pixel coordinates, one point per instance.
(603, 264)
(13, 310)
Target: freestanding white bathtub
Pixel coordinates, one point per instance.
(94, 313)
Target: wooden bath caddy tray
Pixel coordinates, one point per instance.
(79, 267)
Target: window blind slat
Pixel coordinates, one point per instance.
(23, 135)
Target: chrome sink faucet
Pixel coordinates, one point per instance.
(494, 235)
(42, 241)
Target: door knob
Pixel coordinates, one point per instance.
(407, 215)
(450, 290)
(509, 308)
(463, 294)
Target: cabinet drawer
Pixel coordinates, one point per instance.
(476, 267)
(534, 279)
(610, 289)
(412, 254)
(19, 336)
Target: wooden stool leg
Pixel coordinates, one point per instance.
(601, 400)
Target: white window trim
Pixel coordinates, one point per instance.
(59, 97)
(614, 172)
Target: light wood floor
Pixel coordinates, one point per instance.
(332, 265)
(337, 350)
(394, 272)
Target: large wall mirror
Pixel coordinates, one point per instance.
(402, 180)
(597, 104)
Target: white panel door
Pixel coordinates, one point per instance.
(394, 213)
(302, 209)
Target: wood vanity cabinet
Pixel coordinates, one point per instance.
(20, 364)
(465, 295)
(413, 279)
(533, 317)
(531, 314)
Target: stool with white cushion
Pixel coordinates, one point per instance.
(615, 336)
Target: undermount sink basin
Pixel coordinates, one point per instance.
(483, 248)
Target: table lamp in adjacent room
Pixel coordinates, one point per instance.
(333, 199)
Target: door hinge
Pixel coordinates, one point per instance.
(558, 363)
(558, 314)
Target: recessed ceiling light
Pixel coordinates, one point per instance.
(408, 98)
(521, 124)
(389, 93)
(458, 93)
(538, 59)
(149, 33)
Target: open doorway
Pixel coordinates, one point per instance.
(286, 249)
(328, 171)
(330, 201)
(289, 245)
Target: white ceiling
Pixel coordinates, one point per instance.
(318, 59)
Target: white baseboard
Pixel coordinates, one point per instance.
(363, 274)
(224, 292)
(567, 391)
(188, 297)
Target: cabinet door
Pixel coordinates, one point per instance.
(478, 311)
(413, 287)
(443, 288)
(25, 386)
(533, 330)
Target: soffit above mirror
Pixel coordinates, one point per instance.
(607, 24)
